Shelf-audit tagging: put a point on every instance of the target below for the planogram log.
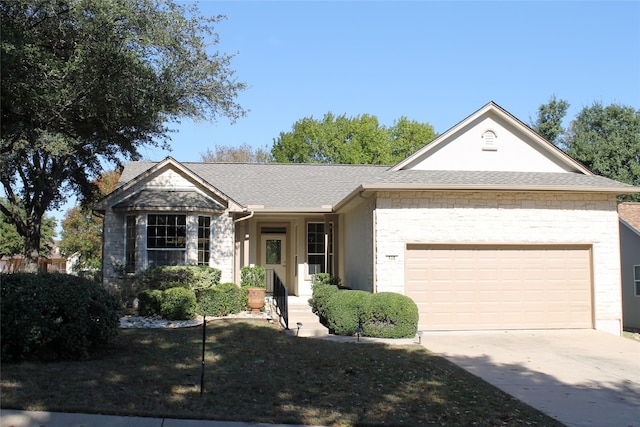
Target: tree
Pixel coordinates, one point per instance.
(359, 140)
(549, 121)
(82, 234)
(242, 154)
(408, 136)
(82, 229)
(12, 243)
(88, 83)
(607, 141)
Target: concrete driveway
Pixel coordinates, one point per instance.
(579, 377)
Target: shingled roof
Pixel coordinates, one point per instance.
(314, 187)
(630, 213)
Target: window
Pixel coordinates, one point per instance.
(130, 245)
(204, 240)
(319, 259)
(166, 239)
(636, 279)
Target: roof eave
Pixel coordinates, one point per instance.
(275, 210)
(494, 187)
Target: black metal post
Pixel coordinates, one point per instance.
(204, 340)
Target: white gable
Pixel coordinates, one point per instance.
(170, 179)
(491, 140)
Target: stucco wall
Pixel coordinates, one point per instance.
(467, 217)
(357, 225)
(630, 256)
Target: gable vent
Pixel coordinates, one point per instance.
(489, 141)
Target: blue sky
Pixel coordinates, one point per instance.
(434, 62)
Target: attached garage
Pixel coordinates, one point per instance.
(481, 287)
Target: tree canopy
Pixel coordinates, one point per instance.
(82, 229)
(12, 243)
(88, 83)
(241, 154)
(548, 123)
(606, 139)
(357, 140)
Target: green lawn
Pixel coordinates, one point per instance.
(255, 372)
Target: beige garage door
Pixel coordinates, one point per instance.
(475, 287)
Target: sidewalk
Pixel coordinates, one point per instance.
(14, 418)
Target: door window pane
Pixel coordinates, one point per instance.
(274, 251)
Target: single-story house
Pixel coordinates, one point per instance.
(630, 263)
(489, 226)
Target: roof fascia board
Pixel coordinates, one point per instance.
(505, 115)
(288, 211)
(493, 187)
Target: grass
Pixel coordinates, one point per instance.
(256, 373)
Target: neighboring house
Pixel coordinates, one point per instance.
(630, 263)
(489, 226)
(53, 263)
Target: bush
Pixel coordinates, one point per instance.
(53, 316)
(345, 309)
(390, 315)
(224, 299)
(178, 304)
(150, 302)
(194, 277)
(326, 279)
(320, 299)
(253, 277)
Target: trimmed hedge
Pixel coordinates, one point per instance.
(171, 276)
(223, 299)
(382, 315)
(53, 316)
(178, 304)
(390, 315)
(345, 309)
(320, 299)
(150, 302)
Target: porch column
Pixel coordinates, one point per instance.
(331, 232)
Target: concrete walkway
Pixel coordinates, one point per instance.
(579, 377)
(11, 418)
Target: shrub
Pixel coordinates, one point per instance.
(325, 279)
(345, 309)
(390, 315)
(253, 277)
(320, 299)
(178, 304)
(150, 302)
(170, 276)
(53, 316)
(224, 299)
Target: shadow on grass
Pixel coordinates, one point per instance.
(256, 373)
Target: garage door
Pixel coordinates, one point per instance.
(475, 287)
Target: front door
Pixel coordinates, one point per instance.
(273, 255)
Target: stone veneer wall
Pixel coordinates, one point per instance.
(507, 217)
(222, 234)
